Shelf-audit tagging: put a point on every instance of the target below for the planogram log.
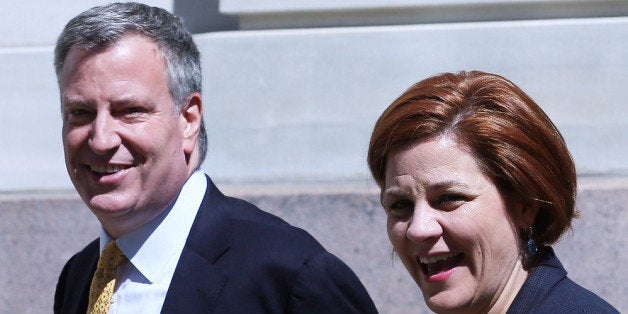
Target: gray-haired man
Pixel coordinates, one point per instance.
(133, 136)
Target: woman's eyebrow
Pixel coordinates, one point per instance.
(448, 184)
(392, 192)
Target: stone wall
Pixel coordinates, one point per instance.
(40, 232)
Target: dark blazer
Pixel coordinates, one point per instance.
(548, 290)
(238, 259)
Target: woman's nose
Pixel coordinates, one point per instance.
(424, 224)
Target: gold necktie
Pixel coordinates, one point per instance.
(104, 279)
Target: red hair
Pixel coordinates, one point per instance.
(512, 140)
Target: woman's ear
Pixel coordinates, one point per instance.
(191, 119)
(525, 214)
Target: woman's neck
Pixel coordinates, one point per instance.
(515, 281)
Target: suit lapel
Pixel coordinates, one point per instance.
(197, 283)
(195, 286)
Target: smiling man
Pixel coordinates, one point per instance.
(133, 135)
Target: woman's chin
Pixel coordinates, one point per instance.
(447, 291)
(446, 303)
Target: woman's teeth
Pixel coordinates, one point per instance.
(439, 263)
(435, 258)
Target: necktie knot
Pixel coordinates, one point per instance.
(111, 256)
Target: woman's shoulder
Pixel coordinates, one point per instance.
(569, 297)
(548, 290)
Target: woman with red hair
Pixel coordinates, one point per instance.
(477, 183)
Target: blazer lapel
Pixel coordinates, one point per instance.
(197, 283)
(195, 286)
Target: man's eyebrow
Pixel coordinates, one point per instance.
(128, 101)
(76, 103)
(115, 102)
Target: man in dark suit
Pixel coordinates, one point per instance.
(133, 135)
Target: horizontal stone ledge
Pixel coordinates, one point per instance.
(254, 189)
(271, 14)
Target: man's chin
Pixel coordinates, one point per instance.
(105, 205)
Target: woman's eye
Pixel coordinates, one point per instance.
(401, 208)
(451, 198)
(450, 201)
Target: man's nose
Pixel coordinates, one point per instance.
(424, 224)
(104, 135)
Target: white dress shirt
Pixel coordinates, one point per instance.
(153, 251)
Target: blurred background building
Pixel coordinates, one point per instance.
(291, 91)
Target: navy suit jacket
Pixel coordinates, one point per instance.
(238, 259)
(548, 290)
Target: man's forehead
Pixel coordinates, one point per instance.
(127, 69)
(81, 50)
(80, 54)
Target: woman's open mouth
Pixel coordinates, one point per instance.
(439, 263)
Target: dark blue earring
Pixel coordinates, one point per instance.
(532, 247)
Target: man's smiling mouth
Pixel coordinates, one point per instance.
(107, 169)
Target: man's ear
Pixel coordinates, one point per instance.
(191, 119)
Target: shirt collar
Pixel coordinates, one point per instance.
(150, 247)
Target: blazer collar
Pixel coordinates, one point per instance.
(540, 281)
(197, 282)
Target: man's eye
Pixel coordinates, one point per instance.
(131, 113)
(79, 112)
(78, 115)
(132, 110)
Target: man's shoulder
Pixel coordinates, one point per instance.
(250, 236)
(285, 265)
(240, 212)
(251, 223)
(80, 261)
(87, 255)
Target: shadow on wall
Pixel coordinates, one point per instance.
(202, 16)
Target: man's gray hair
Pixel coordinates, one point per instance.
(100, 27)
